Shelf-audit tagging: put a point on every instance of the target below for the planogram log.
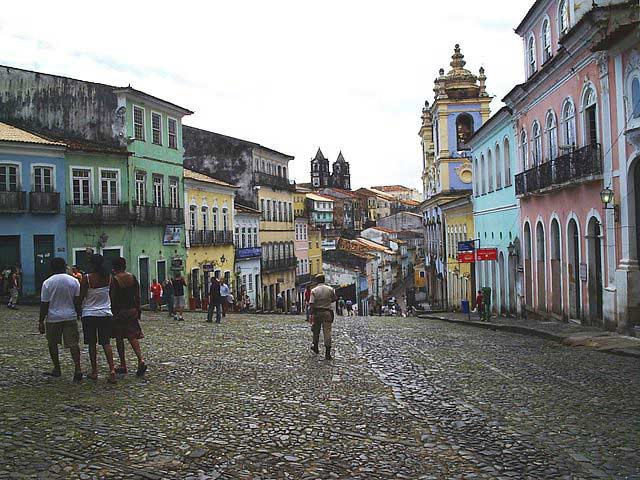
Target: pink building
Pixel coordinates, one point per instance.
(579, 259)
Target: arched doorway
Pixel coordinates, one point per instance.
(573, 268)
(541, 268)
(504, 300)
(555, 255)
(528, 283)
(494, 292)
(594, 280)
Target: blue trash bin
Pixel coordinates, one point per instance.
(465, 306)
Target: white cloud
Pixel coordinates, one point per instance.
(292, 75)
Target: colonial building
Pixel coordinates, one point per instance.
(320, 210)
(32, 196)
(123, 165)
(209, 222)
(248, 255)
(460, 107)
(400, 192)
(495, 209)
(301, 250)
(262, 175)
(321, 177)
(315, 252)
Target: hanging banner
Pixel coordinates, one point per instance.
(465, 257)
(467, 246)
(487, 254)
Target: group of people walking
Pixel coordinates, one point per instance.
(170, 293)
(108, 304)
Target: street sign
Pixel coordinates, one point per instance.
(466, 257)
(487, 254)
(466, 246)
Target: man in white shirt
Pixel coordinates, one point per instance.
(225, 291)
(60, 309)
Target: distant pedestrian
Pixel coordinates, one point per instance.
(279, 303)
(125, 305)
(341, 306)
(97, 318)
(76, 273)
(480, 304)
(59, 311)
(14, 288)
(215, 301)
(167, 295)
(355, 309)
(224, 293)
(321, 300)
(179, 302)
(156, 295)
(230, 302)
(349, 305)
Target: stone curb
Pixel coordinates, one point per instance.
(554, 337)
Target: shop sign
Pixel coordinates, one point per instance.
(487, 254)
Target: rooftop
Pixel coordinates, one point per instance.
(201, 177)
(318, 197)
(9, 133)
(392, 188)
(244, 209)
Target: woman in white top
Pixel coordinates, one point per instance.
(97, 319)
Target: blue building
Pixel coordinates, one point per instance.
(32, 223)
(496, 209)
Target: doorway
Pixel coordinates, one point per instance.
(594, 280)
(528, 283)
(541, 267)
(143, 278)
(573, 267)
(161, 269)
(110, 254)
(591, 125)
(555, 255)
(504, 296)
(43, 252)
(9, 254)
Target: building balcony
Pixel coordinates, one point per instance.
(268, 180)
(44, 202)
(13, 202)
(206, 238)
(153, 215)
(274, 265)
(582, 164)
(251, 252)
(302, 279)
(92, 214)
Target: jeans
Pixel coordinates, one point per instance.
(218, 308)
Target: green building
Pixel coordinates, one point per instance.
(124, 158)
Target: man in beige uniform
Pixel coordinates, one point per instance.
(321, 302)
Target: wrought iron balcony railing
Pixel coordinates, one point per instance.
(44, 202)
(580, 164)
(153, 215)
(278, 264)
(198, 238)
(13, 202)
(118, 214)
(266, 179)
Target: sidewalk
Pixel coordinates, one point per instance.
(568, 334)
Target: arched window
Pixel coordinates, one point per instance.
(523, 149)
(590, 116)
(635, 97)
(483, 177)
(568, 124)
(490, 170)
(225, 219)
(563, 17)
(546, 40)
(498, 168)
(552, 134)
(214, 215)
(536, 144)
(476, 177)
(205, 218)
(531, 55)
(464, 130)
(506, 155)
(193, 217)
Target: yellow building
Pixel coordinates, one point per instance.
(315, 252)
(209, 210)
(458, 228)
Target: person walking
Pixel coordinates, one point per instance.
(167, 295)
(179, 302)
(215, 301)
(97, 318)
(279, 303)
(307, 296)
(224, 293)
(156, 295)
(349, 308)
(14, 288)
(341, 306)
(321, 300)
(480, 304)
(125, 305)
(59, 311)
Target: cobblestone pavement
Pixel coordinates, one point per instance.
(404, 398)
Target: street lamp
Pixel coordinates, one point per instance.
(607, 196)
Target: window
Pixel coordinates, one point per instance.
(476, 177)
(138, 123)
(568, 124)
(174, 193)
(590, 116)
(8, 178)
(536, 147)
(42, 179)
(109, 187)
(552, 135)
(214, 214)
(498, 164)
(81, 181)
(156, 128)
(523, 149)
(158, 190)
(255, 237)
(262, 210)
(250, 284)
(268, 210)
(236, 237)
(490, 170)
(205, 217)
(172, 129)
(563, 17)
(546, 41)
(506, 153)
(635, 98)
(193, 217)
(225, 219)
(531, 55)
(464, 130)
(483, 174)
(243, 238)
(141, 188)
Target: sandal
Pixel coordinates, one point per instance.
(141, 369)
(77, 377)
(92, 376)
(112, 378)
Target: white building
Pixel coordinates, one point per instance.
(248, 255)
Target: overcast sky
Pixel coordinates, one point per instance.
(292, 75)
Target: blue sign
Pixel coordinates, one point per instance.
(249, 252)
(467, 246)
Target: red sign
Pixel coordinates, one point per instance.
(465, 257)
(487, 254)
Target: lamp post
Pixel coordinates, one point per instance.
(607, 196)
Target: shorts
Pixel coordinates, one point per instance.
(179, 302)
(57, 331)
(97, 330)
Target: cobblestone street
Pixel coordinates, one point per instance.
(404, 398)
